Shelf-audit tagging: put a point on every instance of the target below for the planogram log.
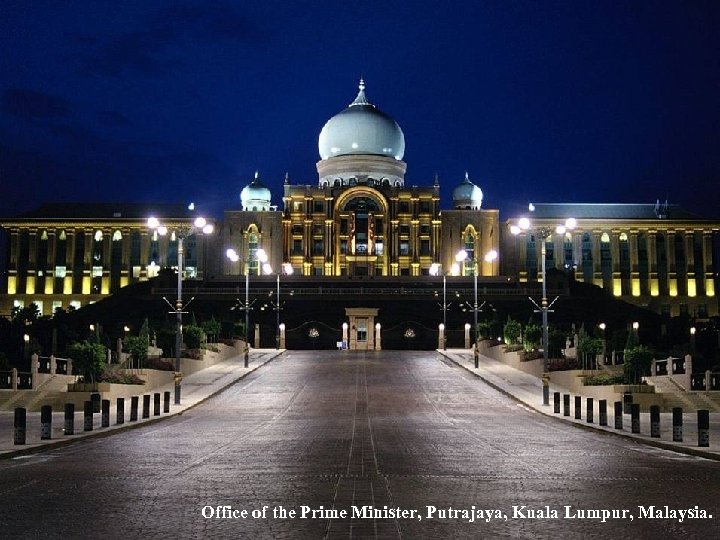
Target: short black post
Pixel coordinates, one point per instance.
(618, 415)
(578, 407)
(677, 424)
(146, 406)
(589, 410)
(88, 416)
(69, 419)
(703, 427)
(655, 421)
(20, 425)
(45, 422)
(105, 416)
(134, 408)
(95, 398)
(166, 404)
(627, 401)
(603, 412)
(156, 404)
(120, 411)
(556, 402)
(635, 417)
(566, 404)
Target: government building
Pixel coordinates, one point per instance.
(362, 221)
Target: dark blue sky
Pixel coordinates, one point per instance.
(540, 101)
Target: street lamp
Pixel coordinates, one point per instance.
(180, 232)
(544, 233)
(434, 271)
(288, 270)
(234, 257)
(490, 257)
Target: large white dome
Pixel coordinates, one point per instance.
(361, 129)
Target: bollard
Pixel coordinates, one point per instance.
(105, 417)
(627, 401)
(545, 382)
(618, 415)
(20, 425)
(45, 422)
(703, 427)
(655, 421)
(566, 404)
(156, 404)
(95, 399)
(166, 404)
(603, 412)
(146, 406)
(635, 418)
(134, 408)
(677, 424)
(120, 411)
(578, 407)
(88, 416)
(69, 419)
(556, 402)
(589, 410)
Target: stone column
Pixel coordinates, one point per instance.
(688, 372)
(257, 336)
(53, 364)
(467, 335)
(653, 284)
(597, 263)
(690, 275)
(34, 369)
(441, 335)
(14, 379)
(378, 341)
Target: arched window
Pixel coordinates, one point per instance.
(253, 264)
(469, 247)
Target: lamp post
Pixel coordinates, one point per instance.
(544, 233)
(234, 257)
(434, 271)
(180, 232)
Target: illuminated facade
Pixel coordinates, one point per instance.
(360, 220)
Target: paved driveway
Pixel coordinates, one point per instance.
(329, 434)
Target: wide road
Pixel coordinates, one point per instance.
(341, 430)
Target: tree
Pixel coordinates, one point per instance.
(638, 360)
(588, 348)
(533, 336)
(212, 328)
(512, 332)
(194, 336)
(137, 346)
(88, 358)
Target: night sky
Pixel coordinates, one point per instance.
(182, 101)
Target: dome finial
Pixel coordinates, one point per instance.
(287, 178)
(467, 178)
(437, 180)
(257, 174)
(361, 99)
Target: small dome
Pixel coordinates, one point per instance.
(467, 195)
(255, 196)
(361, 129)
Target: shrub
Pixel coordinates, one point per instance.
(637, 363)
(114, 374)
(512, 332)
(194, 336)
(562, 364)
(603, 380)
(88, 358)
(212, 328)
(533, 337)
(161, 364)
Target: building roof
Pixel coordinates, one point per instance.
(74, 210)
(611, 211)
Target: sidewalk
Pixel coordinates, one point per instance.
(528, 390)
(196, 388)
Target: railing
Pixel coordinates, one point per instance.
(697, 381)
(714, 381)
(678, 366)
(5, 380)
(661, 367)
(24, 381)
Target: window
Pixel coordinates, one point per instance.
(317, 271)
(362, 329)
(404, 207)
(404, 229)
(60, 271)
(297, 206)
(404, 247)
(318, 229)
(297, 229)
(379, 248)
(318, 206)
(424, 247)
(57, 304)
(297, 247)
(425, 207)
(343, 247)
(343, 226)
(318, 247)
(424, 229)
(136, 272)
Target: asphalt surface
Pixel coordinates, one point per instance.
(339, 430)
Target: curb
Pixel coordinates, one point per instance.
(60, 443)
(688, 450)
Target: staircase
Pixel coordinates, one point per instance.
(674, 395)
(52, 391)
